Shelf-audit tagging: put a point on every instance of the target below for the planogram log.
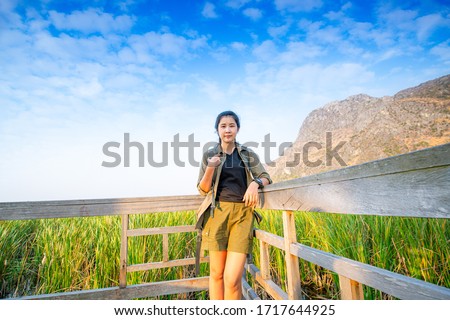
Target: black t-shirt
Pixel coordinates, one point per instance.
(233, 179)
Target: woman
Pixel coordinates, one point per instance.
(230, 177)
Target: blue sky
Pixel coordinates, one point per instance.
(75, 75)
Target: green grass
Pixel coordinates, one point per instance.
(58, 255)
(415, 247)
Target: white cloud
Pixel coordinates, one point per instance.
(301, 87)
(221, 54)
(398, 18)
(213, 90)
(13, 39)
(427, 24)
(389, 54)
(335, 40)
(253, 13)
(346, 6)
(124, 5)
(166, 44)
(298, 6)
(308, 26)
(294, 90)
(8, 5)
(236, 4)
(8, 17)
(209, 11)
(91, 21)
(238, 46)
(394, 35)
(67, 47)
(328, 34)
(87, 89)
(296, 52)
(442, 50)
(279, 31)
(63, 96)
(265, 51)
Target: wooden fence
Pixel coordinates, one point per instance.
(416, 184)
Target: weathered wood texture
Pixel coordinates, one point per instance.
(292, 266)
(123, 251)
(247, 291)
(270, 238)
(97, 207)
(264, 260)
(397, 285)
(416, 184)
(162, 230)
(164, 264)
(269, 286)
(350, 289)
(145, 290)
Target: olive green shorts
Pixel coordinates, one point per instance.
(231, 228)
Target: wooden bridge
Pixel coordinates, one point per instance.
(416, 184)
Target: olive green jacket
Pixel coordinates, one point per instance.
(253, 169)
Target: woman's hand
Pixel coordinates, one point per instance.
(251, 196)
(214, 161)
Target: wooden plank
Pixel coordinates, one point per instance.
(270, 238)
(264, 260)
(145, 290)
(292, 266)
(162, 230)
(397, 285)
(165, 247)
(248, 292)
(416, 184)
(350, 289)
(96, 207)
(162, 264)
(271, 287)
(438, 156)
(123, 251)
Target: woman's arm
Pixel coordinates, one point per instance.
(205, 182)
(265, 181)
(251, 195)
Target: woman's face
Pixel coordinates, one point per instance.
(227, 129)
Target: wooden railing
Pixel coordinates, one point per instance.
(416, 184)
(410, 185)
(123, 207)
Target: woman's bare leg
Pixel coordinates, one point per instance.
(217, 260)
(232, 276)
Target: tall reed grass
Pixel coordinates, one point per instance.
(415, 247)
(58, 255)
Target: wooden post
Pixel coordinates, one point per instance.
(350, 289)
(264, 260)
(165, 247)
(292, 268)
(124, 251)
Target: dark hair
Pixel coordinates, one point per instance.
(227, 114)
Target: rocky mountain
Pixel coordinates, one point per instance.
(363, 128)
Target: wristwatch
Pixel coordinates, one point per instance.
(259, 182)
